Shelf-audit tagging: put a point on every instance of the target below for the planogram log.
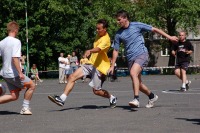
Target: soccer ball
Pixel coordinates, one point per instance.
(2, 89)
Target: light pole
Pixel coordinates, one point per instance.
(27, 52)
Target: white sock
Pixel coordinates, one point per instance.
(63, 97)
(26, 103)
(111, 98)
(183, 85)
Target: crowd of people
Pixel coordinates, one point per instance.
(95, 63)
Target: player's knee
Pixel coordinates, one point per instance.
(71, 77)
(134, 75)
(31, 86)
(176, 72)
(14, 97)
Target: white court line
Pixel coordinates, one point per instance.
(79, 92)
(192, 91)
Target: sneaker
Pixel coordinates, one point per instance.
(151, 101)
(41, 81)
(26, 111)
(56, 99)
(134, 103)
(113, 103)
(65, 82)
(188, 85)
(183, 89)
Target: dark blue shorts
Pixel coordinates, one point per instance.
(182, 65)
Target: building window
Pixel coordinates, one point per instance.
(165, 52)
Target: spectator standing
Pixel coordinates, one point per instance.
(23, 64)
(61, 61)
(73, 62)
(67, 69)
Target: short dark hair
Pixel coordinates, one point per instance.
(104, 22)
(122, 13)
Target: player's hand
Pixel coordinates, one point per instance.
(87, 53)
(187, 51)
(174, 39)
(110, 70)
(21, 76)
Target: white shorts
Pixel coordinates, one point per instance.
(97, 78)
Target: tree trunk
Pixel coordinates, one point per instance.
(171, 27)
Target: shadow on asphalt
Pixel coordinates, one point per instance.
(98, 108)
(8, 113)
(195, 121)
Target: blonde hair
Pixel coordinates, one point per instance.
(12, 26)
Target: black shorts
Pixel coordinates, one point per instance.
(182, 65)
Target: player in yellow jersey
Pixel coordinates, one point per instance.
(96, 68)
(84, 60)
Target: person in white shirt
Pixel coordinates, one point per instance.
(67, 69)
(61, 61)
(10, 50)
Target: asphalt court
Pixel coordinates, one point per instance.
(83, 112)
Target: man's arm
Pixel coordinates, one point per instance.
(174, 39)
(114, 58)
(17, 66)
(94, 50)
(174, 53)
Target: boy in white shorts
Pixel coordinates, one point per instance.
(97, 68)
(10, 50)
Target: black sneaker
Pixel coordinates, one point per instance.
(188, 85)
(113, 103)
(183, 89)
(56, 99)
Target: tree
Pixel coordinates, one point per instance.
(169, 15)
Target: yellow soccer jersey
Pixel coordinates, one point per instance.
(100, 60)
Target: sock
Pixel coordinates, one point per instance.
(63, 97)
(26, 103)
(111, 98)
(136, 97)
(183, 85)
(151, 95)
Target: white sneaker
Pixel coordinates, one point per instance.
(188, 85)
(26, 111)
(61, 82)
(151, 101)
(66, 82)
(134, 103)
(41, 81)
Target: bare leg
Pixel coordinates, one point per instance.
(137, 81)
(178, 73)
(29, 92)
(184, 77)
(143, 87)
(102, 93)
(71, 80)
(10, 97)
